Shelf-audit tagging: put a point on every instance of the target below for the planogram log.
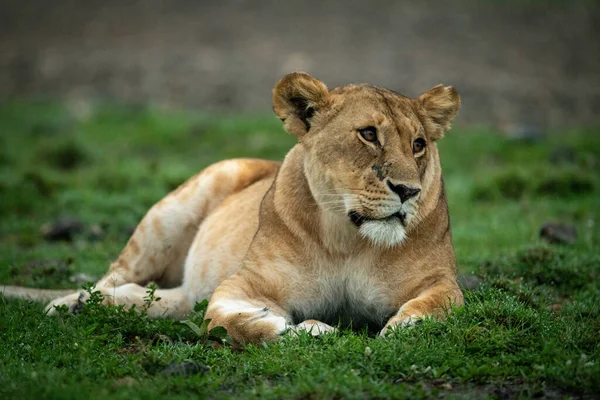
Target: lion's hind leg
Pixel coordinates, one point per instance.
(157, 250)
(157, 303)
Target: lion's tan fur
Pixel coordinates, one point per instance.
(273, 245)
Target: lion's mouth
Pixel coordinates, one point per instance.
(358, 219)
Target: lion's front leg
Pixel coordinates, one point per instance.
(247, 320)
(254, 322)
(245, 304)
(434, 301)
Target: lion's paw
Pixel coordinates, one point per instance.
(73, 302)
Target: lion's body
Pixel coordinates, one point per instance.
(343, 231)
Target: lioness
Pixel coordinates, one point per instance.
(352, 227)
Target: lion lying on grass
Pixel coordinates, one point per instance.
(352, 227)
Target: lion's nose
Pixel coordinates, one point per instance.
(403, 191)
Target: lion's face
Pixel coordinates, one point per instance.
(370, 152)
(368, 161)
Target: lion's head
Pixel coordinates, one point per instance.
(370, 152)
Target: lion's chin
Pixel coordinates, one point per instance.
(384, 233)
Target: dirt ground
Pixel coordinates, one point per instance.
(533, 63)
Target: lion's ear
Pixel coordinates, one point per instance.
(439, 105)
(296, 99)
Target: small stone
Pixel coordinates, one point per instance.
(63, 229)
(95, 233)
(469, 281)
(82, 278)
(185, 368)
(558, 233)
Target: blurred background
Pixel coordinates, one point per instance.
(106, 106)
(515, 63)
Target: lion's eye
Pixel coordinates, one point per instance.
(418, 145)
(369, 133)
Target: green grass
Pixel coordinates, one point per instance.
(530, 329)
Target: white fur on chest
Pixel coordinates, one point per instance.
(350, 293)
